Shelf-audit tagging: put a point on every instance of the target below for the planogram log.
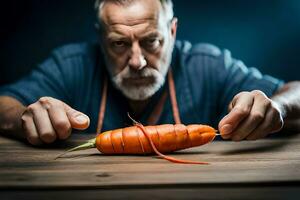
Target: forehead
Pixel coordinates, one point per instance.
(136, 15)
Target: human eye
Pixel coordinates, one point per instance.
(118, 43)
(119, 46)
(151, 43)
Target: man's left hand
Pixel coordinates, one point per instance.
(252, 115)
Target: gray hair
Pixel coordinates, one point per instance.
(167, 6)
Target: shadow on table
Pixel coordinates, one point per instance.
(77, 155)
(274, 143)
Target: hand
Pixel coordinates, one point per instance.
(252, 115)
(49, 119)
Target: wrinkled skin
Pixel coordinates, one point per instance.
(137, 40)
(252, 115)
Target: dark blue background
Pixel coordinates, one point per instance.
(264, 34)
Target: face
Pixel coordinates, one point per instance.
(137, 41)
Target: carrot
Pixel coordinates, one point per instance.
(139, 139)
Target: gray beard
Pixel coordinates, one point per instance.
(142, 92)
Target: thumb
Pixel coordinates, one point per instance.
(77, 119)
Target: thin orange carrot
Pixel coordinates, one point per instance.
(139, 139)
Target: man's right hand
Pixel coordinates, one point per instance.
(49, 119)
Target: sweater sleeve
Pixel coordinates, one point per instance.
(46, 80)
(235, 77)
(215, 78)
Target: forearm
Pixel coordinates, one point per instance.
(288, 99)
(10, 117)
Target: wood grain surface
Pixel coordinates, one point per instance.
(266, 165)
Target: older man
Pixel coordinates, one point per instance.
(137, 67)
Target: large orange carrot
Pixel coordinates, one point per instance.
(158, 139)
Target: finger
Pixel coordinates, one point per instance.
(43, 124)
(30, 129)
(241, 108)
(271, 122)
(77, 119)
(252, 121)
(60, 120)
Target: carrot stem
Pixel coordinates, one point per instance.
(88, 145)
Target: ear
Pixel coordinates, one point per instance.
(174, 27)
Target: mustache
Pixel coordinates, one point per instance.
(128, 72)
(138, 92)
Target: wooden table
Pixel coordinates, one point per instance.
(263, 169)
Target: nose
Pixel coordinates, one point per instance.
(137, 60)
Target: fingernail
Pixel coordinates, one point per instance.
(81, 119)
(226, 129)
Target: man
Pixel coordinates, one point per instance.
(127, 72)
